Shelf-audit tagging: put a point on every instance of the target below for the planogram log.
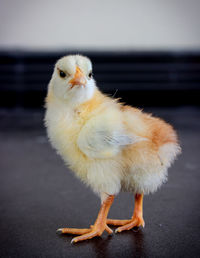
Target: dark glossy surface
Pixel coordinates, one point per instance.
(38, 195)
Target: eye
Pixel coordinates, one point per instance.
(90, 74)
(62, 74)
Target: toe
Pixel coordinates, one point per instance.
(135, 222)
(73, 231)
(118, 222)
(85, 237)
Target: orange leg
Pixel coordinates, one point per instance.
(95, 230)
(136, 220)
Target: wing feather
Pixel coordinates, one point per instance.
(102, 140)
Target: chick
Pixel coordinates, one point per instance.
(110, 146)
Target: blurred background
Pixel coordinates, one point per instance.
(148, 50)
(145, 52)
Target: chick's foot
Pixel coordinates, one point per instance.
(136, 220)
(95, 230)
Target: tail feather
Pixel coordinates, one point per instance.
(168, 153)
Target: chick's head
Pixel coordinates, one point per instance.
(72, 79)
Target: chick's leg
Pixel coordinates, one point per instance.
(136, 220)
(99, 226)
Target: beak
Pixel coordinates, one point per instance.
(79, 78)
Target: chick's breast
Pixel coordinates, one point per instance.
(63, 129)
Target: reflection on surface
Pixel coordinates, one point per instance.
(138, 241)
(104, 247)
(128, 243)
(101, 247)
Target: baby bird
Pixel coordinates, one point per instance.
(110, 146)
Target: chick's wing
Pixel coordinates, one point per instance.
(104, 137)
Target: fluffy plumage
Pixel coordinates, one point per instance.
(109, 146)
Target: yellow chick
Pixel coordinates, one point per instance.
(110, 146)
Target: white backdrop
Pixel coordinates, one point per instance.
(103, 24)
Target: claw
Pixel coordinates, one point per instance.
(72, 241)
(59, 231)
